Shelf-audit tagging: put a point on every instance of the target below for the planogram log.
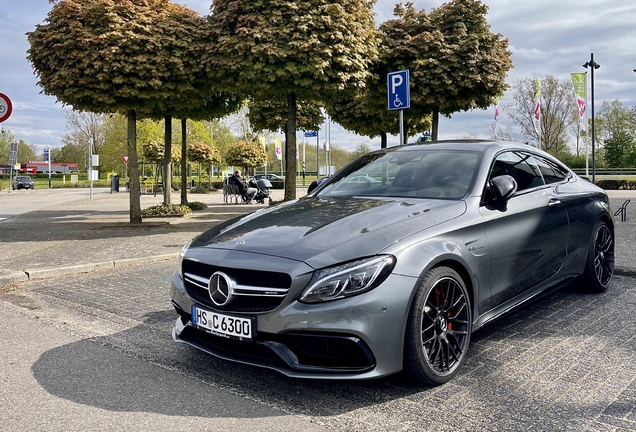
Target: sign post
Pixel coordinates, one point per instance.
(125, 158)
(47, 158)
(399, 95)
(13, 160)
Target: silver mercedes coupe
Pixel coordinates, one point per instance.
(360, 280)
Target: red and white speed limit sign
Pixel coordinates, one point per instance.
(5, 107)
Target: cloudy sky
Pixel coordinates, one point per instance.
(546, 37)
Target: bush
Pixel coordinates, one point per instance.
(197, 205)
(201, 189)
(609, 184)
(166, 210)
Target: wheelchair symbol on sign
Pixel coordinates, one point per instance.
(397, 102)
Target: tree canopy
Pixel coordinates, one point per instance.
(303, 50)
(128, 56)
(455, 62)
(246, 154)
(272, 115)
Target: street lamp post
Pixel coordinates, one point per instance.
(592, 65)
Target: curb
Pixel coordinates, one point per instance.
(8, 277)
(11, 277)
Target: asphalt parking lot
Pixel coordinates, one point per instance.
(566, 362)
(100, 355)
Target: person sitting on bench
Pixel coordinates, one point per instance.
(246, 192)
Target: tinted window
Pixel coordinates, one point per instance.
(521, 166)
(551, 172)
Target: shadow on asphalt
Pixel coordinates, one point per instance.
(523, 363)
(63, 225)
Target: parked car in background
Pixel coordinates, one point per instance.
(362, 179)
(360, 280)
(22, 182)
(270, 177)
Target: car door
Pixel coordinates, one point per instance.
(528, 234)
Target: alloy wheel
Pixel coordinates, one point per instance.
(603, 255)
(444, 333)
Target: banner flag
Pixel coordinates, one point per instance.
(579, 82)
(493, 126)
(537, 108)
(279, 152)
(497, 107)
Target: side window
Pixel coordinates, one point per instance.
(551, 172)
(520, 166)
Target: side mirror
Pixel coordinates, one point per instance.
(314, 184)
(504, 187)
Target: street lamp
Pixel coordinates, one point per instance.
(593, 65)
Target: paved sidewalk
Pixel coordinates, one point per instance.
(84, 235)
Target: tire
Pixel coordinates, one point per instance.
(599, 266)
(438, 328)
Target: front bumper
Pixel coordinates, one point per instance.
(360, 337)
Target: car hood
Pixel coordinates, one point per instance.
(324, 231)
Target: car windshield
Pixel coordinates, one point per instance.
(21, 178)
(418, 173)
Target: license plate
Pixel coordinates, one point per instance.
(222, 325)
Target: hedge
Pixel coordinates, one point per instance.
(616, 184)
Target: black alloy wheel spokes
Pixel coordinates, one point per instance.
(445, 326)
(604, 255)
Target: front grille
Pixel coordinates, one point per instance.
(255, 291)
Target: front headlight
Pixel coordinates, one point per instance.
(181, 255)
(348, 279)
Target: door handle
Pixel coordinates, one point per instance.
(554, 203)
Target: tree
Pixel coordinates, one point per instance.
(305, 50)
(155, 151)
(614, 119)
(27, 152)
(618, 149)
(86, 128)
(272, 115)
(248, 154)
(108, 56)
(361, 150)
(455, 62)
(202, 153)
(557, 103)
(6, 138)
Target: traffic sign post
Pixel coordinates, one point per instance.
(47, 158)
(125, 158)
(399, 95)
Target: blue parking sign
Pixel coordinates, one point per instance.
(398, 90)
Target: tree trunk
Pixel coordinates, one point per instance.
(435, 125)
(382, 140)
(167, 160)
(184, 164)
(133, 170)
(290, 148)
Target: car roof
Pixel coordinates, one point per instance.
(465, 144)
(491, 147)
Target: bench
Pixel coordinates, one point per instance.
(231, 193)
